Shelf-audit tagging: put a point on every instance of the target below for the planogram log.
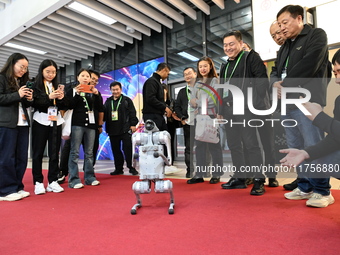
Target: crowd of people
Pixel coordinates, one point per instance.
(302, 62)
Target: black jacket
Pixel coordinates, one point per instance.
(80, 115)
(308, 65)
(249, 73)
(126, 116)
(181, 105)
(9, 105)
(331, 126)
(153, 95)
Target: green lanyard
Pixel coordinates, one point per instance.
(113, 109)
(232, 72)
(286, 65)
(87, 105)
(188, 94)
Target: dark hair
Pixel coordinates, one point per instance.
(212, 73)
(166, 88)
(336, 57)
(294, 10)
(236, 33)
(162, 66)
(8, 71)
(189, 67)
(115, 83)
(95, 72)
(39, 80)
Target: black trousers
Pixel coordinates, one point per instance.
(40, 135)
(240, 134)
(189, 134)
(121, 146)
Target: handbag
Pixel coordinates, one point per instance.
(66, 126)
(205, 130)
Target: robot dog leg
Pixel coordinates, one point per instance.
(151, 163)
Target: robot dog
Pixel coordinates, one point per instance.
(151, 163)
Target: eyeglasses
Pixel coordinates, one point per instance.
(23, 68)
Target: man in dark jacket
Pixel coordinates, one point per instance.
(121, 120)
(153, 97)
(243, 70)
(328, 149)
(302, 62)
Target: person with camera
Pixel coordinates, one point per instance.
(15, 97)
(48, 101)
(121, 121)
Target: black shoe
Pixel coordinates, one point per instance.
(258, 188)
(195, 180)
(272, 182)
(291, 186)
(234, 183)
(61, 178)
(117, 172)
(133, 171)
(214, 180)
(249, 181)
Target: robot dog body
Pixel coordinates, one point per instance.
(151, 163)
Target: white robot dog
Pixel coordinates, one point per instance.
(151, 163)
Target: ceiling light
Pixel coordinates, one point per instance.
(91, 13)
(173, 73)
(12, 45)
(188, 56)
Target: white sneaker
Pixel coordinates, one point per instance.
(318, 200)
(95, 183)
(297, 194)
(78, 186)
(54, 187)
(171, 170)
(24, 193)
(39, 188)
(11, 197)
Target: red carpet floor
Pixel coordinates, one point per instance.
(207, 220)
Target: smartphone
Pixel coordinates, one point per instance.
(29, 84)
(61, 87)
(86, 88)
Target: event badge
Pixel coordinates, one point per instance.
(22, 113)
(52, 113)
(114, 115)
(91, 117)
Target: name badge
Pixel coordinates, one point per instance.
(52, 113)
(91, 117)
(226, 91)
(114, 115)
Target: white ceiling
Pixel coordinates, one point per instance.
(67, 35)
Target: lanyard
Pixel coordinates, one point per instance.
(188, 93)
(232, 72)
(48, 91)
(87, 105)
(113, 109)
(286, 65)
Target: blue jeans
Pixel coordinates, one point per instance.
(301, 136)
(78, 133)
(13, 159)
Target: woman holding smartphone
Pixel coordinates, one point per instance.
(15, 97)
(84, 124)
(48, 101)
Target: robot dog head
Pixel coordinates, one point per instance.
(150, 126)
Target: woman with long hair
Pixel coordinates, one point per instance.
(15, 97)
(85, 104)
(206, 77)
(48, 101)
